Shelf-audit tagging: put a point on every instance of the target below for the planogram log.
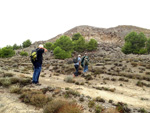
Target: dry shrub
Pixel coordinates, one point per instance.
(110, 110)
(15, 89)
(62, 106)
(91, 103)
(71, 108)
(25, 81)
(69, 79)
(8, 74)
(35, 97)
(134, 64)
(14, 80)
(71, 92)
(5, 81)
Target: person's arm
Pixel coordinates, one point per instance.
(45, 50)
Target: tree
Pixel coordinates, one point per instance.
(92, 45)
(26, 43)
(76, 36)
(48, 46)
(134, 43)
(15, 47)
(79, 45)
(65, 43)
(6, 52)
(148, 45)
(61, 54)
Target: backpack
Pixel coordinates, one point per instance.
(33, 55)
(86, 61)
(75, 60)
(82, 60)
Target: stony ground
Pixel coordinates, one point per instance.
(108, 79)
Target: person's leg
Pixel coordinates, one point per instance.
(77, 68)
(39, 71)
(34, 75)
(85, 68)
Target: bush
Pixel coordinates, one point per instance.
(6, 52)
(92, 45)
(69, 79)
(15, 47)
(148, 45)
(23, 53)
(15, 89)
(91, 103)
(134, 43)
(79, 45)
(48, 46)
(76, 36)
(62, 106)
(26, 43)
(35, 97)
(61, 54)
(5, 81)
(65, 43)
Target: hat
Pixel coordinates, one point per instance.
(40, 46)
(85, 53)
(79, 55)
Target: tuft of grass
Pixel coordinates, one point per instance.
(91, 103)
(8, 74)
(69, 79)
(5, 82)
(71, 92)
(15, 89)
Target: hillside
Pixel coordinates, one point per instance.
(111, 35)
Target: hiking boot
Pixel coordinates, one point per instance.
(38, 84)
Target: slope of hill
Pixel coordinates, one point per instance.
(111, 35)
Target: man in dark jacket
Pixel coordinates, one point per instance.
(38, 64)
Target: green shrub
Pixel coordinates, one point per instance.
(92, 45)
(61, 54)
(134, 43)
(79, 45)
(76, 36)
(23, 53)
(148, 45)
(98, 109)
(6, 52)
(91, 103)
(15, 47)
(26, 43)
(48, 46)
(65, 43)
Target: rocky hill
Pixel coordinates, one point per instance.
(111, 35)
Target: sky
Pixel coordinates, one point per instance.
(40, 20)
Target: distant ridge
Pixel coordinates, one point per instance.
(113, 35)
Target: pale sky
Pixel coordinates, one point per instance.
(44, 19)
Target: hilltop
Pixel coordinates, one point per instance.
(113, 35)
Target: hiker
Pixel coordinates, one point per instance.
(76, 65)
(85, 62)
(38, 64)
